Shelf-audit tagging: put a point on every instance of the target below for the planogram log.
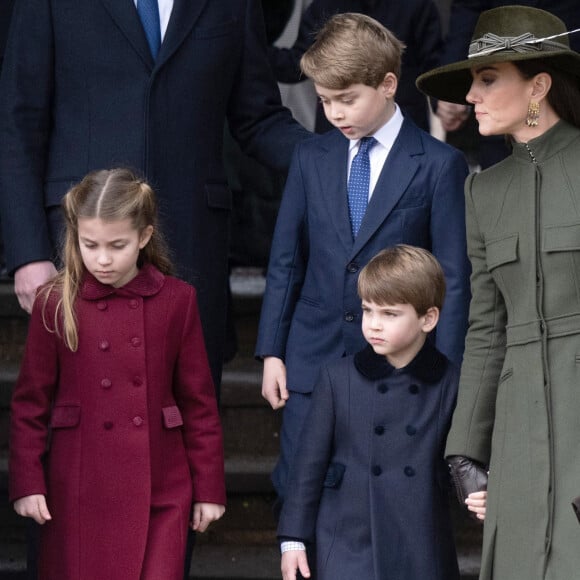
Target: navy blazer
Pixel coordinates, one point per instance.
(311, 312)
(368, 482)
(80, 91)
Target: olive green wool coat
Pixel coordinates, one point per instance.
(518, 409)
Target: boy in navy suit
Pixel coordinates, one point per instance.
(369, 483)
(325, 233)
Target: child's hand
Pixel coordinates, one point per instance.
(204, 514)
(33, 506)
(476, 502)
(274, 382)
(294, 560)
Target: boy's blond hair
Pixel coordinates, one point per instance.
(352, 49)
(403, 275)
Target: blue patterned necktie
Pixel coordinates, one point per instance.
(149, 13)
(359, 183)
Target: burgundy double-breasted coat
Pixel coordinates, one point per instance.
(132, 429)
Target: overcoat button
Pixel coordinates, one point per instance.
(137, 421)
(379, 430)
(377, 470)
(133, 303)
(137, 381)
(382, 388)
(349, 316)
(106, 383)
(409, 471)
(104, 345)
(413, 389)
(542, 327)
(102, 305)
(352, 267)
(411, 430)
(108, 425)
(136, 341)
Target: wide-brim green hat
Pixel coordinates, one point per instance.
(505, 34)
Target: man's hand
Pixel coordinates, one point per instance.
(33, 506)
(28, 278)
(452, 115)
(274, 382)
(204, 514)
(294, 560)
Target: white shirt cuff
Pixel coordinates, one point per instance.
(288, 546)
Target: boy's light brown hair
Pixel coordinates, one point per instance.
(352, 49)
(403, 275)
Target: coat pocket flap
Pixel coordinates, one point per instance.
(501, 251)
(64, 416)
(172, 417)
(334, 475)
(218, 196)
(561, 238)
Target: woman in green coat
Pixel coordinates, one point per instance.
(518, 411)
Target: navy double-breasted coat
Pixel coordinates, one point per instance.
(132, 423)
(368, 483)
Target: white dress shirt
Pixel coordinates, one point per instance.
(378, 154)
(165, 8)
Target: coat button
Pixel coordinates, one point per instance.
(108, 425)
(102, 305)
(106, 383)
(413, 389)
(136, 341)
(133, 303)
(137, 381)
(411, 430)
(379, 430)
(409, 471)
(352, 267)
(349, 316)
(377, 470)
(382, 388)
(104, 345)
(137, 421)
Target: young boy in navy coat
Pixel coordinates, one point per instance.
(368, 483)
(413, 185)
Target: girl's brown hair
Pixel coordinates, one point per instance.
(110, 195)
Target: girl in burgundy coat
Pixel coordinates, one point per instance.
(115, 429)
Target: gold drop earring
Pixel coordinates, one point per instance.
(533, 114)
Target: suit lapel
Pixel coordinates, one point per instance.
(397, 173)
(124, 13)
(331, 166)
(183, 16)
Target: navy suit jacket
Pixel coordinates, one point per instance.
(369, 477)
(311, 311)
(80, 91)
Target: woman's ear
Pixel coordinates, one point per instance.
(541, 85)
(430, 319)
(145, 236)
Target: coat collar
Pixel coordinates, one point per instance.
(148, 282)
(428, 366)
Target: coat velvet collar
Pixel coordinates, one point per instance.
(148, 282)
(428, 366)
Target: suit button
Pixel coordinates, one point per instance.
(377, 470)
(411, 430)
(379, 430)
(133, 303)
(106, 383)
(136, 341)
(409, 471)
(137, 421)
(108, 425)
(413, 389)
(352, 267)
(102, 305)
(137, 381)
(104, 345)
(382, 388)
(349, 316)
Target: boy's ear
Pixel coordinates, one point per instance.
(430, 319)
(145, 236)
(389, 85)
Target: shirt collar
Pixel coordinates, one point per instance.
(428, 366)
(148, 282)
(387, 134)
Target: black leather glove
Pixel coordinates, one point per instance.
(468, 476)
